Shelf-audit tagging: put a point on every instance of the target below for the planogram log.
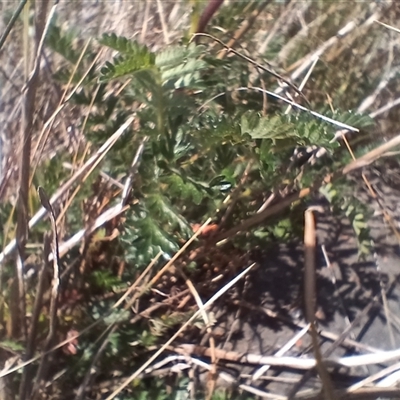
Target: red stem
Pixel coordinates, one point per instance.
(208, 12)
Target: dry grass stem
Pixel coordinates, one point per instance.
(211, 301)
(139, 130)
(94, 160)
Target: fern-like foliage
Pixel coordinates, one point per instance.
(132, 57)
(203, 130)
(200, 142)
(144, 237)
(343, 202)
(62, 42)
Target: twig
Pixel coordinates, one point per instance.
(257, 218)
(361, 394)
(132, 172)
(244, 28)
(334, 282)
(291, 362)
(27, 377)
(388, 26)
(385, 108)
(94, 160)
(310, 240)
(370, 379)
(304, 81)
(44, 364)
(340, 340)
(255, 63)
(232, 198)
(372, 156)
(138, 280)
(385, 302)
(163, 22)
(254, 220)
(233, 380)
(292, 342)
(392, 378)
(12, 21)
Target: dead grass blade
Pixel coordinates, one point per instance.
(207, 322)
(292, 342)
(27, 373)
(18, 305)
(45, 133)
(302, 108)
(93, 161)
(310, 240)
(373, 14)
(372, 155)
(163, 21)
(112, 328)
(253, 62)
(233, 381)
(12, 22)
(211, 301)
(291, 362)
(54, 297)
(388, 26)
(243, 29)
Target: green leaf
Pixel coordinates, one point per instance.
(117, 316)
(62, 42)
(145, 237)
(273, 128)
(180, 66)
(132, 58)
(351, 118)
(185, 191)
(105, 279)
(14, 346)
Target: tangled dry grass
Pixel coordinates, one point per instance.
(337, 54)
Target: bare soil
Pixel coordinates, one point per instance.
(267, 309)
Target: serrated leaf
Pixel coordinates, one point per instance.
(160, 205)
(273, 128)
(352, 118)
(62, 42)
(145, 238)
(132, 57)
(180, 66)
(117, 316)
(329, 192)
(122, 66)
(184, 190)
(123, 45)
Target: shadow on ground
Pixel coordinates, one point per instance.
(268, 310)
